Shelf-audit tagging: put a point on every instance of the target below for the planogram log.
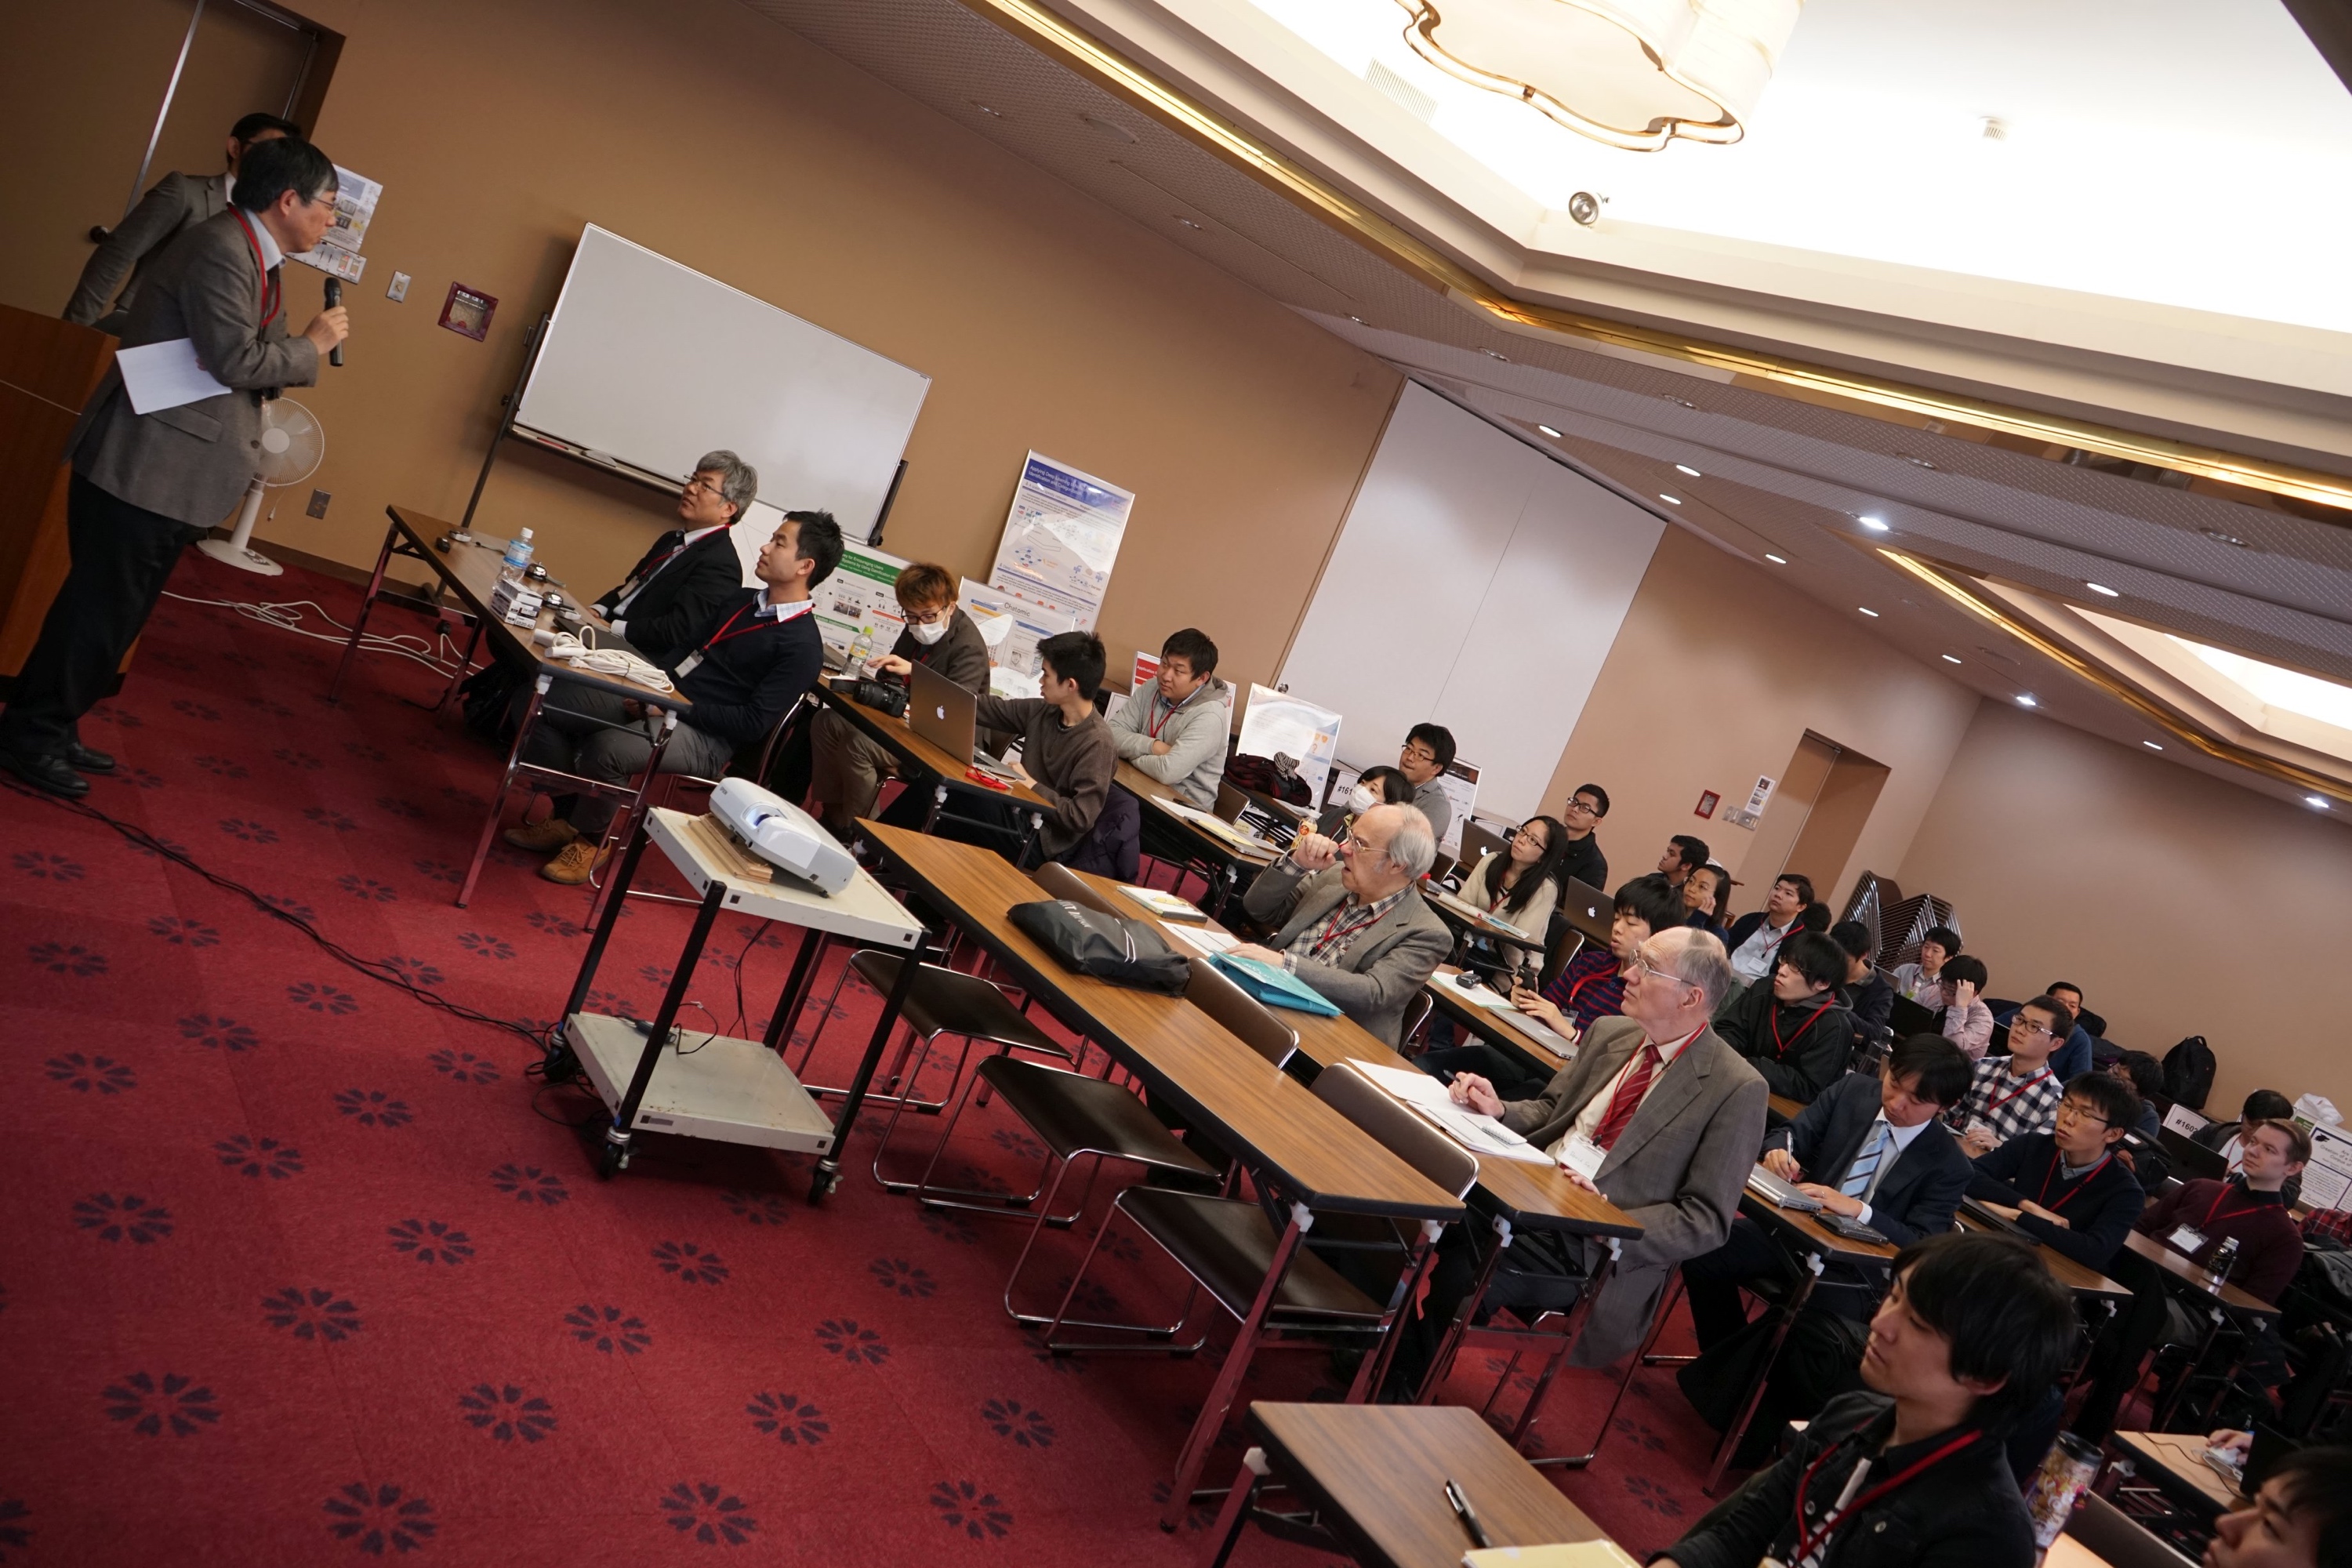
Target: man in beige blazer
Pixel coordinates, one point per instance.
(1669, 1119)
(145, 485)
(175, 203)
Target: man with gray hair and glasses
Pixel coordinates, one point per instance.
(671, 594)
(1349, 922)
(1656, 1114)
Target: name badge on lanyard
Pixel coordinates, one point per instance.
(2187, 1240)
(1582, 1155)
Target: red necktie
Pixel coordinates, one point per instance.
(1628, 1098)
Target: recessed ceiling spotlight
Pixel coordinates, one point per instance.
(2152, 746)
(1776, 560)
(1111, 128)
(2025, 699)
(1875, 524)
(992, 113)
(1866, 610)
(1504, 357)
(1684, 401)
(1359, 321)
(2102, 588)
(1188, 223)
(2222, 536)
(2316, 802)
(1951, 658)
(1914, 462)
(1669, 500)
(1686, 469)
(1548, 431)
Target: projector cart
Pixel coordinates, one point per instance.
(734, 1091)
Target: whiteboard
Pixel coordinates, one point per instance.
(653, 365)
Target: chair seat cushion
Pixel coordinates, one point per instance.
(1228, 1245)
(949, 1002)
(1071, 1113)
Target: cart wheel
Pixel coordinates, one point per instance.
(610, 1159)
(821, 1185)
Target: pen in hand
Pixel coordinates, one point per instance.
(1463, 1512)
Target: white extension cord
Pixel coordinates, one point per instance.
(612, 661)
(438, 655)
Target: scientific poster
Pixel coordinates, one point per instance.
(339, 248)
(1012, 627)
(1460, 782)
(1061, 538)
(1277, 722)
(861, 595)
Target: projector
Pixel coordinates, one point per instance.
(782, 835)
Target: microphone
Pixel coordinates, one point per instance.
(335, 297)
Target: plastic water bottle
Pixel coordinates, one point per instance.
(518, 556)
(861, 648)
(2225, 1258)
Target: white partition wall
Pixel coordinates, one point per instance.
(1476, 582)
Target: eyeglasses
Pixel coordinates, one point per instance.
(1654, 972)
(713, 487)
(1417, 754)
(1582, 807)
(2070, 1111)
(2026, 1030)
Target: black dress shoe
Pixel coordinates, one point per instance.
(49, 772)
(82, 760)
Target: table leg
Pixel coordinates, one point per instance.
(788, 1000)
(1029, 839)
(616, 1137)
(603, 932)
(1738, 1427)
(1228, 1376)
(506, 784)
(938, 803)
(1594, 1285)
(367, 603)
(1450, 1346)
(828, 1169)
(635, 813)
(464, 665)
(1219, 1545)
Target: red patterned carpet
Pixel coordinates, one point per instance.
(299, 1270)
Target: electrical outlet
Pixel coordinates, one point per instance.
(319, 499)
(399, 289)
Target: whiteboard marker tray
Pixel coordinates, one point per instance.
(730, 1090)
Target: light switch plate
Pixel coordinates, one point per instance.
(399, 289)
(319, 499)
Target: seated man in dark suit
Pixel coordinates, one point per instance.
(1658, 1115)
(1973, 1332)
(1350, 922)
(1789, 1025)
(669, 597)
(2066, 1189)
(1869, 1147)
(745, 669)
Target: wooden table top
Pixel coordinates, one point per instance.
(1152, 792)
(1498, 1025)
(2068, 1553)
(1477, 922)
(1222, 1086)
(899, 736)
(1803, 1230)
(1538, 1196)
(1377, 1474)
(2080, 1277)
(1784, 1107)
(2179, 1457)
(2231, 1298)
(471, 573)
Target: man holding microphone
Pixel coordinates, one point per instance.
(144, 485)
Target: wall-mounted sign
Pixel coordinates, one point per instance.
(1749, 814)
(1707, 800)
(467, 312)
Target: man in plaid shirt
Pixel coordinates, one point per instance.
(2019, 1092)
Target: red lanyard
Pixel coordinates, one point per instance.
(1780, 1047)
(270, 304)
(2086, 1180)
(1155, 726)
(1344, 933)
(2034, 1077)
(1569, 1005)
(2215, 1212)
(728, 634)
(1810, 1541)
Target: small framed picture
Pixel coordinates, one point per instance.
(1708, 801)
(467, 312)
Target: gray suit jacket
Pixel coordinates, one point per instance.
(1382, 971)
(177, 202)
(1676, 1171)
(193, 462)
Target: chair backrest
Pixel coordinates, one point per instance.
(1416, 1013)
(1241, 1013)
(1060, 882)
(1419, 1144)
(2111, 1535)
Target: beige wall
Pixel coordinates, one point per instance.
(728, 143)
(2182, 904)
(1694, 698)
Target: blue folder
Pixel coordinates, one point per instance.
(1275, 987)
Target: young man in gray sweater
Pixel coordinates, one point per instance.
(1175, 729)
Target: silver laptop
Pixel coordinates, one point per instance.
(1593, 913)
(1782, 1194)
(1478, 841)
(945, 714)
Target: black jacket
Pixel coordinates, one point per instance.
(2099, 1209)
(1963, 1511)
(1872, 1003)
(1583, 861)
(682, 596)
(1744, 927)
(1812, 1050)
(744, 683)
(1919, 1193)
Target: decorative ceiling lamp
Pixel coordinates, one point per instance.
(1632, 73)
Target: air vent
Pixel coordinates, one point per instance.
(1401, 93)
(1997, 656)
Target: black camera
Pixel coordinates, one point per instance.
(888, 695)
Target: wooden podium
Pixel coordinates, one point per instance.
(48, 368)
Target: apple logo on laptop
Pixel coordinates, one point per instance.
(940, 712)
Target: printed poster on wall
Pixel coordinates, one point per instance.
(1278, 721)
(339, 248)
(1012, 627)
(861, 595)
(1460, 782)
(1061, 537)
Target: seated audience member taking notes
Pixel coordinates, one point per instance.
(1428, 753)
(2066, 1188)
(846, 767)
(1870, 1148)
(2018, 1092)
(1790, 1026)
(1373, 786)
(1658, 1115)
(1707, 894)
(1066, 754)
(1175, 729)
(1520, 886)
(1754, 939)
(1350, 921)
(1583, 861)
(670, 597)
(1918, 979)
(759, 652)
(1912, 1473)
(1682, 855)
(1864, 992)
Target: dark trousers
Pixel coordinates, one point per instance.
(2123, 1345)
(122, 554)
(582, 729)
(1711, 1281)
(1543, 1272)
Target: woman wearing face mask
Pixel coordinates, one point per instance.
(1373, 786)
(848, 769)
(1520, 888)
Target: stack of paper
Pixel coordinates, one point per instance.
(1166, 905)
(1430, 1099)
(1206, 942)
(1467, 988)
(1575, 1554)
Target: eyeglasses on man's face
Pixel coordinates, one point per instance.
(2025, 1029)
(2072, 1110)
(1417, 753)
(1580, 807)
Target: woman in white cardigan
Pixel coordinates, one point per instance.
(1521, 886)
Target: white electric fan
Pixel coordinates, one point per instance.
(292, 443)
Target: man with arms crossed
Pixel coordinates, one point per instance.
(1428, 752)
(1911, 1473)
(144, 485)
(2019, 1092)
(1754, 940)
(1175, 729)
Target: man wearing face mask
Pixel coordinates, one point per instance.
(847, 768)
